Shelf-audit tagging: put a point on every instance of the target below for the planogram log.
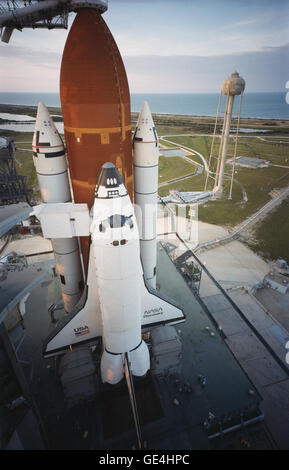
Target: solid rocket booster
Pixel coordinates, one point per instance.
(95, 103)
(50, 163)
(49, 159)
(146, 161)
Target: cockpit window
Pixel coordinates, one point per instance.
(103, 226)
(116, 221)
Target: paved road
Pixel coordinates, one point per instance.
(279, 166)
(23, 150)
(189, 150)
(274, 141)
(181, 178)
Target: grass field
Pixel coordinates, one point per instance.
(173, 167)
(275, 152)
(272, 234)
(195, 183)
(24, 161)
(257, 183)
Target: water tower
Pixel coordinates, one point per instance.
(232, 86)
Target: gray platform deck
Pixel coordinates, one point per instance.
(19, 283)
(11, 215)
(271, 381)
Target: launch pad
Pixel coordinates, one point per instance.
(188, 390)
(194, 408)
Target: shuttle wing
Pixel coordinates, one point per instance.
(83, 324)
(157, 308)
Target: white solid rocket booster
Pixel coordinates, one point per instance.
(51, 168)
(146, 161)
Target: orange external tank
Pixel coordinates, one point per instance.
(95, 104)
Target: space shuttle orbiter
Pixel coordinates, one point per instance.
(116, 303)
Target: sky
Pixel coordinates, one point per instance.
(169, 46)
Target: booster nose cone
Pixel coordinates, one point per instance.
(109, 184)
(145, 130)
(49, 159)
(46, 138)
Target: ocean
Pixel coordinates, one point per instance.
(255, 105)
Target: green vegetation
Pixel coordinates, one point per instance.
(256, 183)
(272, 234)
(194, 157)
(181, 124)
(24, 161)
(198, 143)
(166, 144)
(195, 183)
(173, 167)
(27, 110)
(277, 153)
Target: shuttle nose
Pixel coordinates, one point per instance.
(109, 182)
